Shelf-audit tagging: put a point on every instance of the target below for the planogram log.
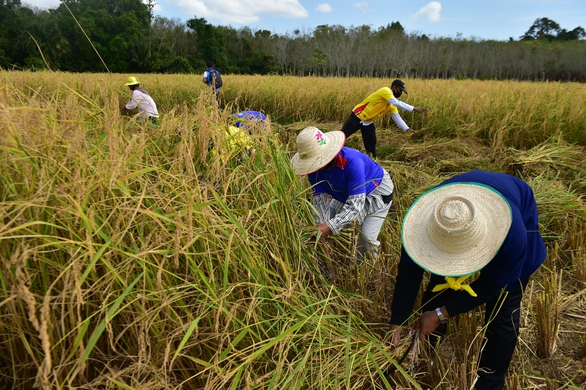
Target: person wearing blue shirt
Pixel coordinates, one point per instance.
(250, 119)
(213, 79)
(476, 221)
(347, 185)
(208, 80)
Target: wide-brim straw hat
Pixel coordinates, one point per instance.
(315, 149)
(456, 229)
(132, 81)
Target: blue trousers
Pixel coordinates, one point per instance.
(502, 316)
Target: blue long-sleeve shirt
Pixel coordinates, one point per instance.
(521, 253)
(356, 182)
(353, 173)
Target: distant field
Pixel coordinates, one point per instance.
(134, 257)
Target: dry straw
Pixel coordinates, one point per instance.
(132, 257)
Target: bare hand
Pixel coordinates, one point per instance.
(410, 131)
(427, 323)
(396, 337)
(420, 110)
(323, 228)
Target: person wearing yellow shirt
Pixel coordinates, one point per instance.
(383, 101)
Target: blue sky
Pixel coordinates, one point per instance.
(482, 19)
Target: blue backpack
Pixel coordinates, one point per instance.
(214, 78)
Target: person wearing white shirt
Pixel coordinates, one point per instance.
(141, 100)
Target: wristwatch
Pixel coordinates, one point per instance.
(441, 316)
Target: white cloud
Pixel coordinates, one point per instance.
(362, 6)
(43, 4)
(431, 11)
(235, 12)
(325, 8)
(241, 11)
(157, 7)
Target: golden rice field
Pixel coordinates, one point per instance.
(136, 257)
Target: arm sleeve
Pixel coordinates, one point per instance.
(407, 285)
(349, 213)
(400, 122)
(321, 202)
(462, 302)
(133, 103)
(401, 105)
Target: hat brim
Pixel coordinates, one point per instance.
(305, 166)
(133, 83)
(491, 206)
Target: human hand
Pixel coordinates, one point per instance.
(410, 131)
(396, 336)
(420, 110)
(323, 229)
(427, 323)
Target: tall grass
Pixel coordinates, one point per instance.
(134, 257)
(501, 114)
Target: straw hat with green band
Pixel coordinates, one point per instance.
(316, 149)
(454, 230)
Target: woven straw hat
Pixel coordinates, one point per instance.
(456, 229)
(316, 149)
(132, 81)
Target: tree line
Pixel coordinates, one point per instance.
(124, 36)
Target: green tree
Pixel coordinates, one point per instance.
(209, 43)
(171, 46)
(115, 29)
(542, 28)
(575, 34)
(17, 25)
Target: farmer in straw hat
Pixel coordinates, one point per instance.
(141, 100)
(474, 222)
(383, 101)
(347, 186)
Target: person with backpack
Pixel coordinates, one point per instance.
(213, 79)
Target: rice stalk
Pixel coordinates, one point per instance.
(546, 315)
(224, 289)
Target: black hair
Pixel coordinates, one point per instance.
(329, 165)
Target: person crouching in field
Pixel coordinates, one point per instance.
(239, 133)
(141, 100)
(238, 143)
(474, 222)
(347, 186)
(251, 118)
(383, 101)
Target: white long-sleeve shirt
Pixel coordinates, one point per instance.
(145, 103)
